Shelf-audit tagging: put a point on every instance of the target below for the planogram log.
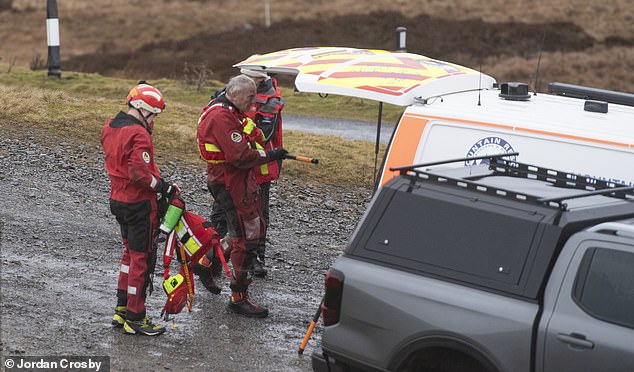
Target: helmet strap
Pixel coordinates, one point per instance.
(145, 123)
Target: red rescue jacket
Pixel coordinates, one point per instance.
(266, 112)
(225, 147)
(129, 159)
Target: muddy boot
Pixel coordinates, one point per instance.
(241, 304)
(258, 267)
(204, 274)
(142, 327)
(216, 267)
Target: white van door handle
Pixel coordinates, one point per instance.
(576, 340)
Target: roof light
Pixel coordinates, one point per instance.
(578, 91)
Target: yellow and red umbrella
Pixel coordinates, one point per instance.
(392, 77)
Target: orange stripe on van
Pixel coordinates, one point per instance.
(426, 119)
(403, 149)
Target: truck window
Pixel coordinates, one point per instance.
(604, 287)
(462, 239)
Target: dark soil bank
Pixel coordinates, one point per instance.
(465, 42)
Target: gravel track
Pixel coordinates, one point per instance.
(60, 250)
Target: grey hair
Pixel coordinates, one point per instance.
(238, 85)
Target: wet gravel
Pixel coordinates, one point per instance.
(60, 250)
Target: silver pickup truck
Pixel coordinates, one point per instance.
(498, 267)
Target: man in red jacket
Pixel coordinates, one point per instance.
(134, 183)
(230, 158)
(266, 113)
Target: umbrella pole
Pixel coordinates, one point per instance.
(376, 145)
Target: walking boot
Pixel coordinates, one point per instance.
(206, 277)
(241, 304)
(119, 316)
(216, 267)
(142, 327)
(258, 267)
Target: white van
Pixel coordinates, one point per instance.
(544, 129)
(456, 112)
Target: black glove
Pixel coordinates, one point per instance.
(162, 205)
(277, 153)
(167, 189)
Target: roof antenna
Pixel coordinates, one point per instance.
(539, 60)
(480, 81)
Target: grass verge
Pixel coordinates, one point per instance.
(76, 107)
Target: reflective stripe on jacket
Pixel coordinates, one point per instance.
(256, 139)
(210, 152)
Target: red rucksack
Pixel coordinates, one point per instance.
(191, 236)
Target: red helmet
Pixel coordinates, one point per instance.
(145, 96)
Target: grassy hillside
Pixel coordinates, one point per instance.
(75, 108)
(587, 43)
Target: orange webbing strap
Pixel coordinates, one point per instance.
(190, 288)
(168, 253)
(221, 255)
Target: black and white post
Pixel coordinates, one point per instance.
(52, 37)
(267, 14)
(401, 39)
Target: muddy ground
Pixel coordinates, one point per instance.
(60, 250)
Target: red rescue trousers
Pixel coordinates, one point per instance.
(245, 231)
(139, 229)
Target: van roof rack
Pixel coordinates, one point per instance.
(502, 167)
(404, 169)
